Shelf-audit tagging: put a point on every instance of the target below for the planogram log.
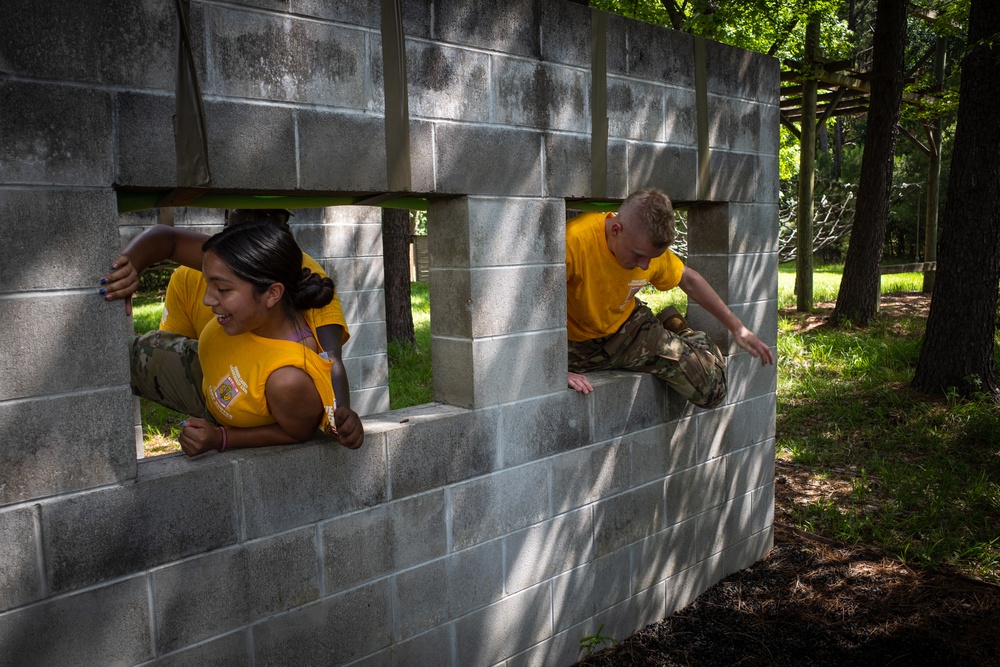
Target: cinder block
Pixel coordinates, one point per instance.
(114, 531)
(146, 155)
(467, 373)
(362, 305)
(433, 445)
(768, 180)
(746, 515)
(498, 504)
(20, 574)
(368, 371)
(636, 110)
(725, 429)
(618, 172)
(242, 137)
(447, 82)
(588, 474)
(567, 164)
(326, 241)
(357, 273)
(32, 327)
(638, 611)
(335, 630)
(511, 28)
(562, 648)
(710, 528)
(470, 232)
(55, 134)
(747, 378)
(487, 160)
(673, 169)
(661, 556)
(499, 631)
(566, 33)
(49, 448)
(490, 302)
(224, 590)
(431, 648)
(71, 237)
(629, 517)
(549, 548)
(682, 588)
(660, 54)
(366, 338)
(662, 450)
(747, 552)
(680, 116)
(342, 151)
(734, 72)
(733, 124)
(770, 130)
(626, 402)
(226, 651)
(387, 538)
(529, 93)
(264, 56)
(732, 228)
(422, 173)
(540, 427)
(448, 588)
(692, 491)
(370, 401)
(734, 176)
(285, 487)
(595, 586)
(356, 12)
(116, 42)
(102, 626)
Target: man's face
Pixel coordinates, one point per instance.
(632, 247)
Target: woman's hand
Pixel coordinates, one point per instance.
(199, 436)
(349, 427)
(121, 283)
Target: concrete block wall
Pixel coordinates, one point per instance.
(497, 526)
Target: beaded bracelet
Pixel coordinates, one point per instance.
(225, 439)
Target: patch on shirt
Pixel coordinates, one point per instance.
(226, 392)
(633, 287)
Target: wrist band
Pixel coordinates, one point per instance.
(225, 439)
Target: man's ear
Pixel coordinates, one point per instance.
(273, 294)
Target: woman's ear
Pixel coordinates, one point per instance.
(273, 294)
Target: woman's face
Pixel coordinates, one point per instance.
(236, 306)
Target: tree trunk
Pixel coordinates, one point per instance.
(958, 345)
(858, 298)
(396, 266)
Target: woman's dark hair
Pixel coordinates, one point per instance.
(263, 254)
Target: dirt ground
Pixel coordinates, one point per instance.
(815, 602)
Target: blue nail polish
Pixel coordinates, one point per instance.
(182, 423)
(104, 281)
(102, 291)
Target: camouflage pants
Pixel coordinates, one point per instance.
(690, 363)
(165, 369)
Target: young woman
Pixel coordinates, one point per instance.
(255, 376)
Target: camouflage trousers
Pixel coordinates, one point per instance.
(690, 362)
(165, 369)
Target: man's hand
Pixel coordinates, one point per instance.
(349, 427)
(580, 383)
(121, 283)
(199, 436)
(755, 346)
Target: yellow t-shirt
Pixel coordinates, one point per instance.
(184, 312)
(600, 294)
(236, 368)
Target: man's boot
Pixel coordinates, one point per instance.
(673, 321)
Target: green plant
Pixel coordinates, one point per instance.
(595, 641)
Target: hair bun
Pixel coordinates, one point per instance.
(313, 291)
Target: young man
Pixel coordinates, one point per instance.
(608, 260)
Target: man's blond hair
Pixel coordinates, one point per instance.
(653, 212)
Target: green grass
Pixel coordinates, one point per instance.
(826, 283)
(410, 365)
(917, 476)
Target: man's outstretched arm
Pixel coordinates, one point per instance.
(698, 290)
